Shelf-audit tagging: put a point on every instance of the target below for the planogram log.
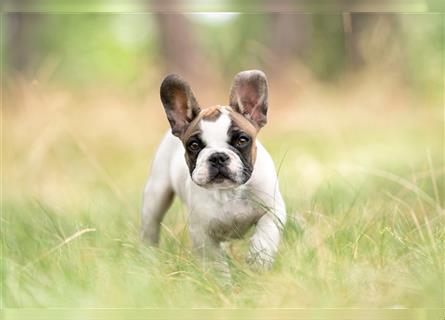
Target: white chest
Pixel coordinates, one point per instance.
(225, 214)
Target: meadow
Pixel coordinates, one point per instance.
(360, 167)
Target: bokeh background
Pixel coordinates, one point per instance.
(355, 129)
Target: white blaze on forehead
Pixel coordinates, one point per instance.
(215, 133)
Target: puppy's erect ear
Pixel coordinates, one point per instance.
(179, 103)
(248, 95)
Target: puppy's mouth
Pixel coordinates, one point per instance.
(221, 176)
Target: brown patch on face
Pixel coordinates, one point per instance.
(253, 153)
(210, 113)
(239, 122)
(193, 129)
(243, 123)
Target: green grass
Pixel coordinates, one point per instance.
(365, 204)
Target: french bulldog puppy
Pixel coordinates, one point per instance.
(214, 163)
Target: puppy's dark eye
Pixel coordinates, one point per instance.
(193, 146)
(242, 140)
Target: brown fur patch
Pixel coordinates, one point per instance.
(241, 122)
(253, 153)
(191, 130)
(210, 113)
(245, 125)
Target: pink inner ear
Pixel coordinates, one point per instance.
(249, 98)
(259, 116)
(180, 110)
(251, 104)
(178, 116)
(253, 107)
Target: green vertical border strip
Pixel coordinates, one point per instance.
(442, 316)
(2, 261)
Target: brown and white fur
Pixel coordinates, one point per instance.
(213, 162)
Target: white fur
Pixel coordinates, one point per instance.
(214, 133)
(259, 199)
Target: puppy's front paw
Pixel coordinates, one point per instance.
(260, 259)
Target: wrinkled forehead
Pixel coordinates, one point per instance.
(216, 124)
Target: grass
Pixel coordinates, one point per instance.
(363, 187)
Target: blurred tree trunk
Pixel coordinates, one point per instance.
(20, 37)
(368, 37)
(290, 35)
(179, 48)
(355, 25)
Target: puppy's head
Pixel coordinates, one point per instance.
(219, 141)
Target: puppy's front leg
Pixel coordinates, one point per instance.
(158, 197)
(264, 242)
(210, 251)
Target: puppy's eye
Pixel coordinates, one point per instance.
(242, 140)
(193, 146)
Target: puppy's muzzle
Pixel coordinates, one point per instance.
(218, 166)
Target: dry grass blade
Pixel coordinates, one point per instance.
(412, 213)
(60, 245)
(433, 178)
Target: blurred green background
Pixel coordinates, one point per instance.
(90, 49)
(355, 129)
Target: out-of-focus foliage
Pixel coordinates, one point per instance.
(424, 47)
(82, 49)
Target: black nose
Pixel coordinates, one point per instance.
(218, 159)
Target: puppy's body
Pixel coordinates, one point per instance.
(227, 184)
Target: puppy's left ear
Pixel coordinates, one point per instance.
(248, 96)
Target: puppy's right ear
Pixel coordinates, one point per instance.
(179, 103)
